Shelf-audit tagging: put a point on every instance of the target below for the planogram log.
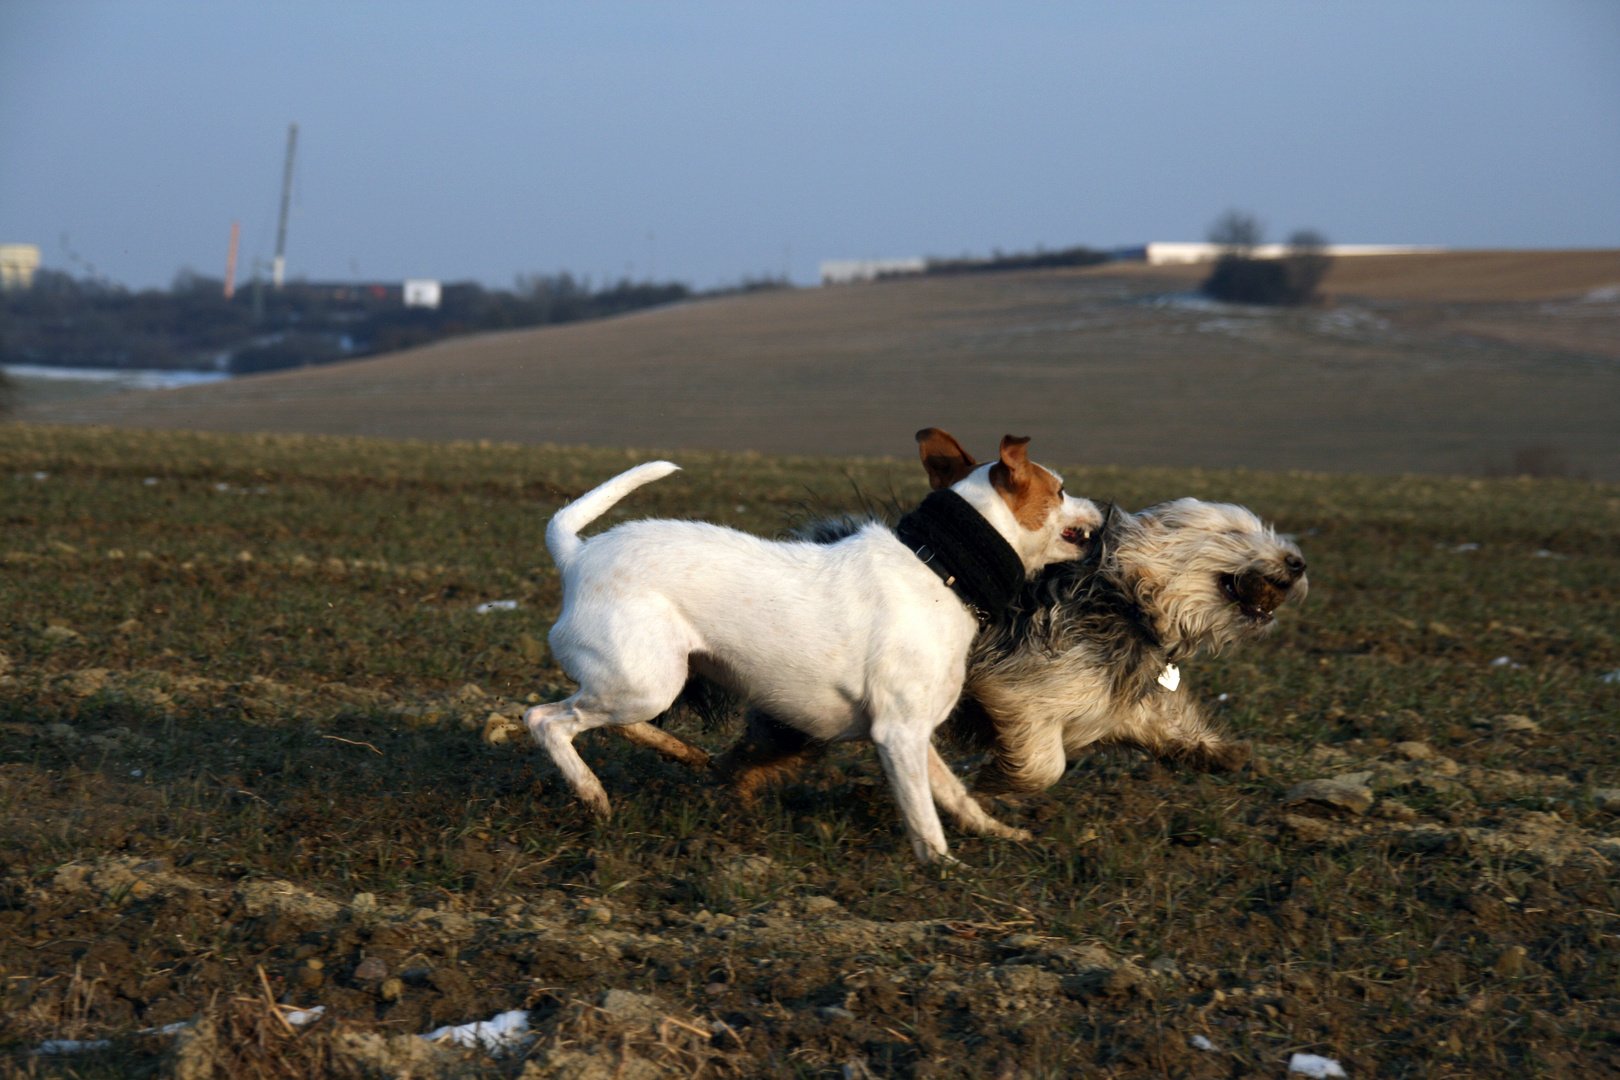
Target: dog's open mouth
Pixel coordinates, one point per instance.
(1077, 537)
(1255, 595)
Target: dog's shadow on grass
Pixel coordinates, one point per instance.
(363, 803)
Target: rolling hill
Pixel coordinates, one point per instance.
(1460, 363)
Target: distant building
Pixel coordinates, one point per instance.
(422, 292)
(847, 271)
(17, 265)
(1161, 253)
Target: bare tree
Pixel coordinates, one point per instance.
(1238, 233)
(1239, 277)
(1308, 263)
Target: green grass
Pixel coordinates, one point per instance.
(287, 657)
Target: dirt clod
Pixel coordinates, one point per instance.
(1334, 795)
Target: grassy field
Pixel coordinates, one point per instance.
(256, 742)
(1465, 364)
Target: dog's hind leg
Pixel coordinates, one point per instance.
(953, 798)
(769, 750)
(671, 746)
(630, 661)
(554, 727)
(1028, 757)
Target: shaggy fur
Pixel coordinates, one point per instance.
(1079, 665)
(1077, 662)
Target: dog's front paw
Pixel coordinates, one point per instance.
(1229, 757)
(597, 803)
(1021, 835)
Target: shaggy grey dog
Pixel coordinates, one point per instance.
(1090, 658)
(1087, 656)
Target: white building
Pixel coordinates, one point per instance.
(847, 271)
(17, 265)
(1161, 252)
(422, 292)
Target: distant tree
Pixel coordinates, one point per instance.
(1308, 263)
(1238, 233)
(91, 322)
(999, 261)
(286, 351)
(1239, 277)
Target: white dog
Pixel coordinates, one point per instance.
(866, 638)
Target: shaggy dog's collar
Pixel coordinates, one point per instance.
(969, 555)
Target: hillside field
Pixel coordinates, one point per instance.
(257, 744)
(1466, 363)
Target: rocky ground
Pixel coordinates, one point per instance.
(265, 809)
(1404, 913)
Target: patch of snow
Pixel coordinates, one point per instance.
(1198, 1042)
(503, 1030)
(1349, 321)
(295, 1017)
(1506, 662)
(1314, 1066)
(129, 378)
(1188, 301)
(496, 605)
(300, 1017)
(1611, 678)
(1466, 547)
(1226, 325)
(71, 1046)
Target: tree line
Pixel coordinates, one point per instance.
(66, 321)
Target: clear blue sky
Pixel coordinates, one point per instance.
(707, 141)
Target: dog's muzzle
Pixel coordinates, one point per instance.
(1257, 595)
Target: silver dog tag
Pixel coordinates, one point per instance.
(1170, 677)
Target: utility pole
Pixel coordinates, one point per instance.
(230, 260)
(278, 269)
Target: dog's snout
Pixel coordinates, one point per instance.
(1295, 565)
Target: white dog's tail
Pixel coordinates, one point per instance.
(562, 535)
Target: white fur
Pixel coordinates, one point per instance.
(852, 640)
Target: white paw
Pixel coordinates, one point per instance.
(597, 803)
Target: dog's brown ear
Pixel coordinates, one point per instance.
(1011, 473)
(1013, 454)
(1008, 474)
(943, 457)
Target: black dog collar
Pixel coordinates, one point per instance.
(957, 543)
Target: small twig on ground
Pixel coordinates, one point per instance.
(353, 742)
(234, 790)
(696, 1031)
(270, 1000)
(1008, 903)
